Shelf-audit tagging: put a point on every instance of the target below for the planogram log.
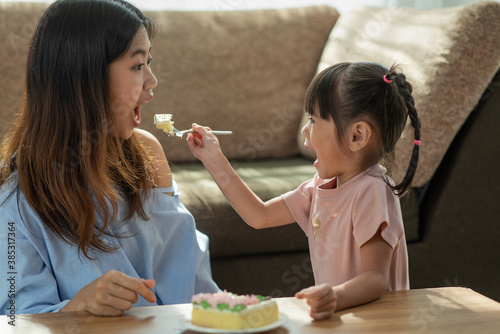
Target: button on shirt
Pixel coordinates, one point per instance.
(48, 271)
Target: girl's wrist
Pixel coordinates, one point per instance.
(215, 161)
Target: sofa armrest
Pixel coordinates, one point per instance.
(460, 214)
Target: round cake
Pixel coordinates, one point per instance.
(226, 310)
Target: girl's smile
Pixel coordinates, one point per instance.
(332, 159)
(321, 138)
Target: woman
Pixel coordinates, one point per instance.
(92, 213)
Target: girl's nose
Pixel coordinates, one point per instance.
(305, 130)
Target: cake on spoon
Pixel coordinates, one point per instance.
(165, 123)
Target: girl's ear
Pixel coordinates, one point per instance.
(360, 135)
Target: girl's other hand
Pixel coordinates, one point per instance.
(321, 298)
(111, 294)
(202, 143)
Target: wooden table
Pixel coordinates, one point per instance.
(439, 310)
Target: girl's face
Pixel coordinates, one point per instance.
(321, 137)
(131, 84)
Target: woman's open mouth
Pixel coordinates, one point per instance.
(137, 110)
(137, 115)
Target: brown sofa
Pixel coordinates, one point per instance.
(247, 71)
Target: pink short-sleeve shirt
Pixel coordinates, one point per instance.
(339, 221)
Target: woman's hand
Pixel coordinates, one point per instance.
(111, 294)
(322, 299)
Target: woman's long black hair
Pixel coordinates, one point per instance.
(72, 167)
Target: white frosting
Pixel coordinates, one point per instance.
(164, 122)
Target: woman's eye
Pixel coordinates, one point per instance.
(150, 61)
(138, 67)
(311, 119)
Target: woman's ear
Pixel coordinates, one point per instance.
(360, 135)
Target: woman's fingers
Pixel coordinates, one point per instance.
(149, 283)
(135, 285)
(105, 304)
(111, 294)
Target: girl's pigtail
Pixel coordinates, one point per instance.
(405, 89)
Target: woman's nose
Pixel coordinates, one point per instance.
(151, 81)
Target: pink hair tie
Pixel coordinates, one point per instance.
(387, 80)
(417, 142)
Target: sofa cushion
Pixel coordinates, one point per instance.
(245, 71)
(449, 55)
(17, 25)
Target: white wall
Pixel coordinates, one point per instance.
(341, 5)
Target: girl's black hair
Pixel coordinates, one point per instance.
(348, 92)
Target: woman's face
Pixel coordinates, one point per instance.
(131, 84)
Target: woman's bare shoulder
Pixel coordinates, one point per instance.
(150, 141)
(163, 174)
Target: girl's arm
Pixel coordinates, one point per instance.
(249, 206)
(370, 285)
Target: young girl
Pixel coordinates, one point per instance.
(89, 211)
(350, 210)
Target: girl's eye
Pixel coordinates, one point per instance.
(311, 119)
(150, 61)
